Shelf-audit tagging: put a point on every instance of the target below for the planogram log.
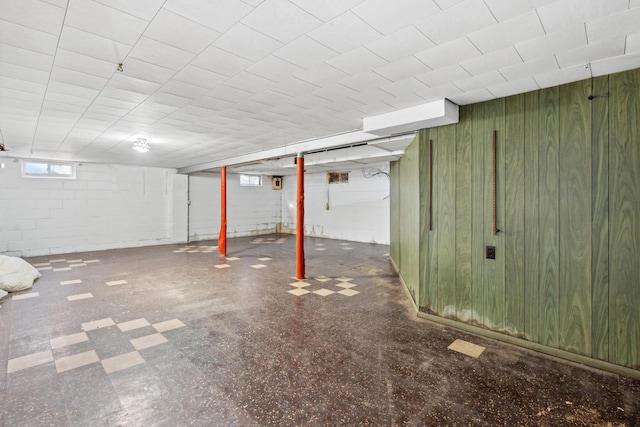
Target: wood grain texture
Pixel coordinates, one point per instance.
(463, 175)
(549, 218)
(624, 238)
(494, 296)
(574, 303)
(432, 273)
(410, 211)
(446, 249)
(532, 216)
(513, 229)
(567, 273)
(426, 236)
(499, 239)
(394, 212)
(478, 214)
(600, 219)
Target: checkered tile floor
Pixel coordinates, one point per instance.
(344, 287)
(111, 364)
(70, 282)
(62, 264)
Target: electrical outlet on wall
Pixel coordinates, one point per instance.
(491, 252)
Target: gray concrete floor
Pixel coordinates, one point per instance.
(176, 335)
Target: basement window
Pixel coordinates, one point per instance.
(47, 169)
(251, 180)
(337, 177)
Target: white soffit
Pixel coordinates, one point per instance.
(432, 114)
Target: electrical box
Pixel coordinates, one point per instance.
(491, 252)
(276, 182)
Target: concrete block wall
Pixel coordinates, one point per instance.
(116, 206)
(105, 207)
(357, 210)
(250, 210)
(179, 208)
(204, 207)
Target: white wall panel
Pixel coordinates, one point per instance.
(106, 207)
(250, 210)
(357, 211)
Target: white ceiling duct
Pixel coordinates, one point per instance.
(437, 113)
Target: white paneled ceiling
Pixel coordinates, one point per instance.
(204, 81)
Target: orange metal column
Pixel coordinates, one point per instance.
(222, 237)
(300, 219)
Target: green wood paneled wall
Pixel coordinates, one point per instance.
(405, 202)
(567, 267)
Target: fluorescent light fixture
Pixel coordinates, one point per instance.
(141, 145)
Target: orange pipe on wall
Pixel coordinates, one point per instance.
(222, 237)
(300, 220)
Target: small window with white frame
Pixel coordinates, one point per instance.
(48, 169)
(250, 180)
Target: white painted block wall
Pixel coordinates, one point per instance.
(250, 210)
(357, 211)
(115, 206)
(105, 207)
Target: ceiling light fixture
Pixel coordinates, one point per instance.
(141, 145)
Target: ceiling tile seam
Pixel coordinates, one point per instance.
(491, 11)
(183, 17)
(31, 28)
(144, 127)
(142, 33)
(150, 95)
(325, 63)
(295, 6)
(359, 102)
(540, 22)
(421, 61)
(334, 18)
(373, 53)
(127, 13)
(251, 9)
(586, 33)
(52, 4)
(253, 61)
(353, 12)
(317, 41)
(24, 48)
(555, 56)
(79, 72)
(19, 77)
(426, 36)
(380, 75)
(302, 81)
(46, 91)
(93, 34)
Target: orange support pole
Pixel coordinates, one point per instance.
(300, 219)
(222, 237)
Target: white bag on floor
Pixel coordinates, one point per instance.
(16, 274)
(2, 293)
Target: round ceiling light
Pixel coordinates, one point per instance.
(141, 145)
